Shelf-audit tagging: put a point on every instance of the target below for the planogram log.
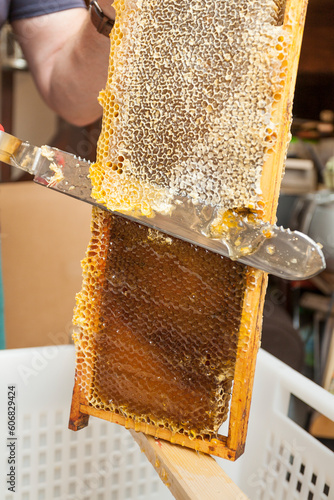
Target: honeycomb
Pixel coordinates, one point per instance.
(187, 118)
(188, 103)
(159, 325)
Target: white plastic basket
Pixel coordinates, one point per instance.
(102, 462)
(282, 461)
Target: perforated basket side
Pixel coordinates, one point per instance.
(101, 462)
(282, 461)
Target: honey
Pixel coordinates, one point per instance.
(165, 342)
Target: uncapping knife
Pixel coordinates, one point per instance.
(288, 254)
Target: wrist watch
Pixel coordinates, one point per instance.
(102, 23)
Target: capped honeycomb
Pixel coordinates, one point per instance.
(188, 103)
(162, 347)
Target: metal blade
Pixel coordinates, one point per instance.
(288, 254)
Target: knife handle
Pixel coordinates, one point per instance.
(8, 146)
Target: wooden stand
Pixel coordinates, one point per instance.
(188, 475)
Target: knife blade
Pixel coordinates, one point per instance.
(288, 254)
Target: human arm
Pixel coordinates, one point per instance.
(68, 59)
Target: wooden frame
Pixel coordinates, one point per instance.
(232, 446)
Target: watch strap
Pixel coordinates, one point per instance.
(102, 23)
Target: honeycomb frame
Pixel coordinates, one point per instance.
(232, 445)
